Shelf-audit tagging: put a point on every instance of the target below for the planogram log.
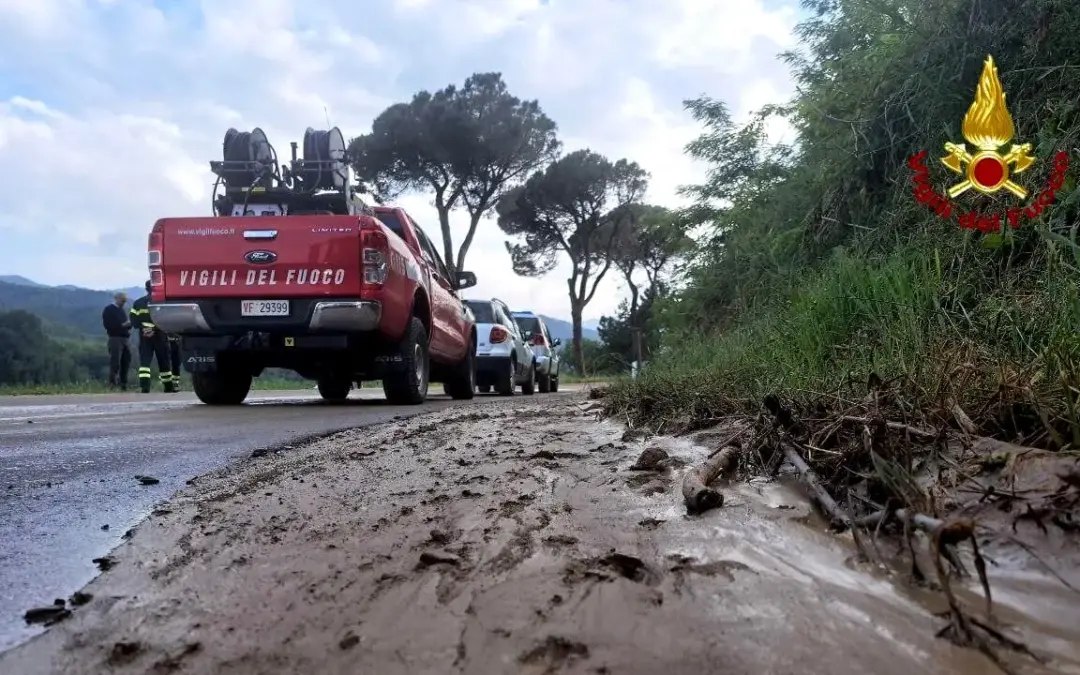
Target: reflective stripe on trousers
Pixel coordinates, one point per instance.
(147, 373)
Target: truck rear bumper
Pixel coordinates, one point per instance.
(345, 316)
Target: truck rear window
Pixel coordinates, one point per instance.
(390, 219)
(482, 311)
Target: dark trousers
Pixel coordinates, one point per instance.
(156, 345)
(174, 358)
(119, 361)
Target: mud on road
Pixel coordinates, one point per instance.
(508, 538)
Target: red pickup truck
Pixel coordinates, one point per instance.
(317, 282)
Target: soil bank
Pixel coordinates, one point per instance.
(512, 538)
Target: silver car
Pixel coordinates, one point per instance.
(545, 355)
(504, 360)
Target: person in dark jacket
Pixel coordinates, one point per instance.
(118, 328)
(152, 343)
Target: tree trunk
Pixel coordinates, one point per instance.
(443, 210)
(579, 352)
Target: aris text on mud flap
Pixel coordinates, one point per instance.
(284, 277)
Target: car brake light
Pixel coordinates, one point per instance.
(498, 335)
(374, 256)
(539, 340)
(155, 260)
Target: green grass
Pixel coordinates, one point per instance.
(946, 320)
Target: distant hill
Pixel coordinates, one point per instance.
(564, 330)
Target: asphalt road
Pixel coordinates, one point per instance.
(68, 467)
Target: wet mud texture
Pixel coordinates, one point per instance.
(512, 538)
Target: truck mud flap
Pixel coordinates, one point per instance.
(204, 362)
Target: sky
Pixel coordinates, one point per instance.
(110, 110)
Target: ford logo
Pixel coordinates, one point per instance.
(260, 257)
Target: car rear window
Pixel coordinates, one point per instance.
(482, 311)
(528, 324)
(390, 219)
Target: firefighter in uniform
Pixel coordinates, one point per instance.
(152, 343)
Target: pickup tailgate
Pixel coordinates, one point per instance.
(268, 257)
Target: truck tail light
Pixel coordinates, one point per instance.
(375, 256)
(539, 340)
(498, 335)
(155, 261)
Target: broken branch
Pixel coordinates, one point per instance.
(697, 494)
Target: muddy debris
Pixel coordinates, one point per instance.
(651, 459)
(431, 558)
(147, 480)
(47, 616)
(105, 563)
(79, 598)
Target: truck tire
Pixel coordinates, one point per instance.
(409, 385)
(543, 381)
(461, 379)
(485, 388)
(221, 387)
(507, 382)
(555, 383)
(528, 387)
(334, 389)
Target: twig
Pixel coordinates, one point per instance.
(898, 426)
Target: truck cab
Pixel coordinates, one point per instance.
(295, 271)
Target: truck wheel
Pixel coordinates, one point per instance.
(528, 387)
(409, 384)
(543, 380)
(334, 389)
(484, 388)
(461, 381)
(508, 380)
(555, 383)
(221, 387)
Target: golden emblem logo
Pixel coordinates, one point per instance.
(988, 126)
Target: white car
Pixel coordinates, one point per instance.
(545, 356)
(504, 360)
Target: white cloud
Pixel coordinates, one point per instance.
(109, 112)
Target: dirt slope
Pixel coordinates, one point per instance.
(511, 538)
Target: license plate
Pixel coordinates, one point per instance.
(264, 308)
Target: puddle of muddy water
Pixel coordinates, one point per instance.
(770, 532)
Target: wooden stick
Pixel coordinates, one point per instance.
(697, 494)
(810, 479)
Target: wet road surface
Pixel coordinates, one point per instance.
(68, 464)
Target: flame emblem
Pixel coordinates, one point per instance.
(988, 126)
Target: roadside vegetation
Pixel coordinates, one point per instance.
(820, 272)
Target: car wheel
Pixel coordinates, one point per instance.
(334, 389)
(484, 389)
(543, 381)
(508, 382)
(461, 385)
(221, 387)
(409, 384)
(528, 387)
(555, 383)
